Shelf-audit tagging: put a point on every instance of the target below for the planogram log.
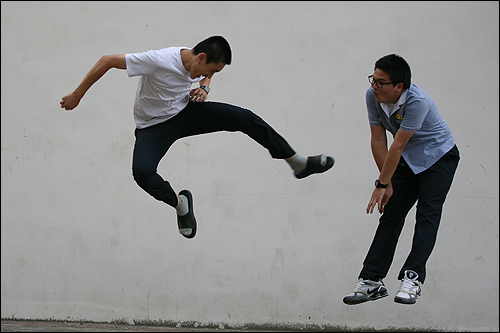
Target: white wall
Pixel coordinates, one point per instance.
(81, 241)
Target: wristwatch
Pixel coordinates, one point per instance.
(206, 88)
(379, 184)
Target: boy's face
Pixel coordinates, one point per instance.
(387, 93)
(202, 68)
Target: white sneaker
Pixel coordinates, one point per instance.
(409, 290)
(366, 290)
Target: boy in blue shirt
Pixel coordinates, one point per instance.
(418, 167)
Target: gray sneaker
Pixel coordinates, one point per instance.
(366, 290)
(409, 290)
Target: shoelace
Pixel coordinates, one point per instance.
(359, 285)
(407, 285)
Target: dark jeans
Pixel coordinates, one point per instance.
(429, 188)
(196, 118)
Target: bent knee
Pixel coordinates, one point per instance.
(142, 175)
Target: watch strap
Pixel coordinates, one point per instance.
(378, 184)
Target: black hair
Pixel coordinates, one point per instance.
(397, 68)
(216, 48)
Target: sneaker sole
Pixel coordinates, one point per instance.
(193, 226)
(406, 301)
(372, 298)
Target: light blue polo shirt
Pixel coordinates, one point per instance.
(432, 138)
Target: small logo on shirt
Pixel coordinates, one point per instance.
(399, 117)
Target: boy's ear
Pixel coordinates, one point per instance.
(201, 56)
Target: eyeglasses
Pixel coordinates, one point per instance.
(379, 84)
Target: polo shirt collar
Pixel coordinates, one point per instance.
(390, 108)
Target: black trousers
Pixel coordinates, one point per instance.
(429, 188)
(152, 143)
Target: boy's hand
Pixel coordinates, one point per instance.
(198, 95)
(70, 101)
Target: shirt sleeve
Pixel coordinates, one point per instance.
(371, 106)
(144, 63)
(415, 113)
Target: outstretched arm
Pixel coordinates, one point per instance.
(71, 101)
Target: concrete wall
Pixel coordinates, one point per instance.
(81, 241)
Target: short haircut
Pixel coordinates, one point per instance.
(397, 68)
(216, 48)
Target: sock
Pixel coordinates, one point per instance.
(298, 162)
(182, 208)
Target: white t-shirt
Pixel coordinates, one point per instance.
(164, 84)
